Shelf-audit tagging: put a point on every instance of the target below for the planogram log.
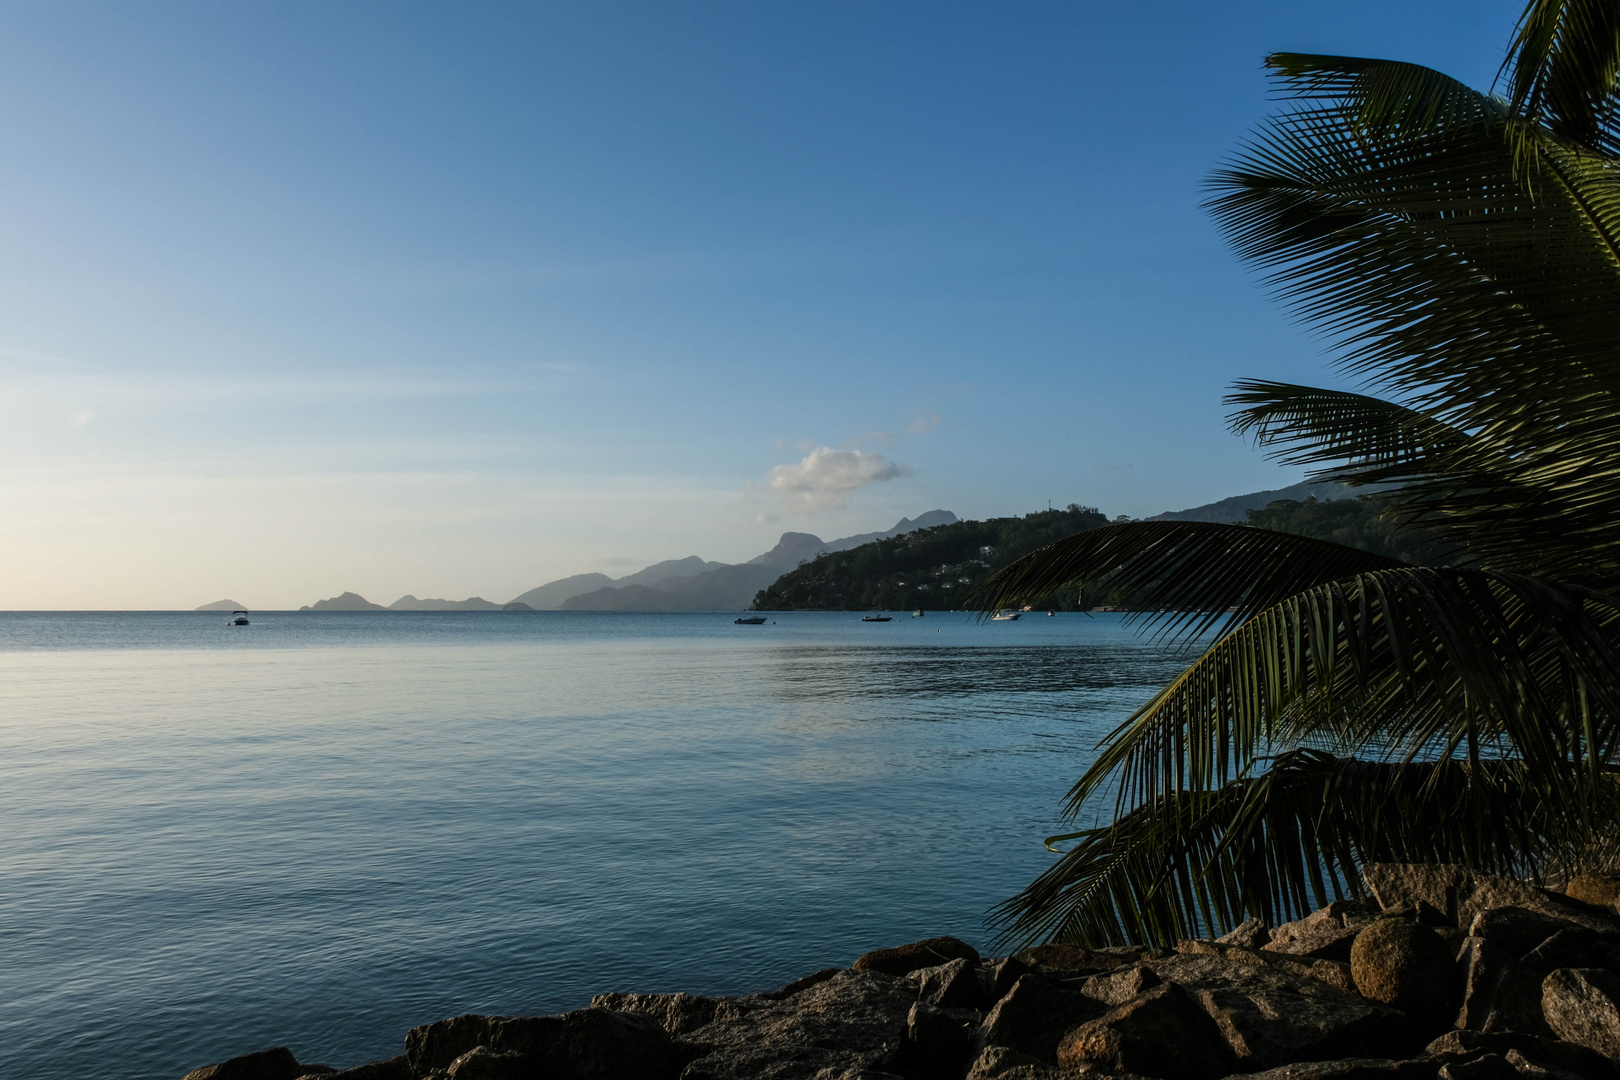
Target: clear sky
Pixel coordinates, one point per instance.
(459, 298)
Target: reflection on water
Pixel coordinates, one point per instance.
(341, 826)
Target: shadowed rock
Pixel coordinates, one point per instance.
(1595, 890)
(583, 1045)
(1250, 934)
(1320, 935)
(1163, 1033)
(394, 1068)
(1456, 1046)
(1348, 1069)
(276, 1063)
(1582, 1006)
(675, 1013)
(1270, 1017)
(1118, 987)
(855, 1022)
(955, 985)
(1035, 1015)
(1405, 965)
(908, 958)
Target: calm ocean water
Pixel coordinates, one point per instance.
(321, 830)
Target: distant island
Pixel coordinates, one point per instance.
(931, 561)
(689, 584)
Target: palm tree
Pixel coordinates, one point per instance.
(1461, 251)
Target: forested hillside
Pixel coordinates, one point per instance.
(929, 568)
(1365, 522)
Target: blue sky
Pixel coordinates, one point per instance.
(456, 299)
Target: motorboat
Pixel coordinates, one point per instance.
(1006, 616)
(752, 620)
(917, 614)
(875, 617)
(238, 618)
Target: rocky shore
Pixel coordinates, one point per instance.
(1441, 973)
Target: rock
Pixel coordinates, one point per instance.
(394, 1068)
(1346, 1069)
(1250, 934)
(1035, 1015)
(1271, 1017)
(1320, 935)
(1582, 1006)
(1071, 960)
(1545, 1053)
(1484, 1067)
(1463, 893)
(1404, 965)
(675, 1013)
(920, 954)
(1516, 929)
(1499, 993)
(805, 983)
(1595, 890)
(1000, 977)
(276, 1063)
(1528, 1069)
(955, 985)
(1118, 987)
(1163, 1033)
(1332, 972)
(854, 1023)
(1005, 1063)
(482, 1063)
(938, 1038)
(587, 1043)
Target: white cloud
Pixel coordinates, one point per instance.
(826, 477)
(81, 418)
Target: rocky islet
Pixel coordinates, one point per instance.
(1440, 973)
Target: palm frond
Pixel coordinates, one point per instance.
(1276, 845)
(1563, 65)
(1409, 663)
(1478, 300)
(1366, 439)
(1185, 576)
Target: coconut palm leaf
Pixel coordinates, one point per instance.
(1281, 843)
(1443, 279)
(1409, 663)
(1461, 254)
(1564, 63)
(1366, 439)
(1184, 576)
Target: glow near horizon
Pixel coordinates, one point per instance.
(412, 299)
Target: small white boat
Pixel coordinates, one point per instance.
(1006, 616)
(238, 618)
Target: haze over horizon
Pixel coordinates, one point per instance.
(401, 298)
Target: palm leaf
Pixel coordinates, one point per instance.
(1186, 576)
(1406, 663)
(1563, 64)
(1279, 844)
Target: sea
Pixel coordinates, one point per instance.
(323, 829)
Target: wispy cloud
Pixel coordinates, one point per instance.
(81, 417)
(826, 477)
(921, 422)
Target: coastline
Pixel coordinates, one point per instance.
(1439, 973)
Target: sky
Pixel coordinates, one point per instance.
(457, 299)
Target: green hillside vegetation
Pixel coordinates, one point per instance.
(1366, 523)
(929, 568)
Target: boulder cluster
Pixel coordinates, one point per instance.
(1440, 973)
